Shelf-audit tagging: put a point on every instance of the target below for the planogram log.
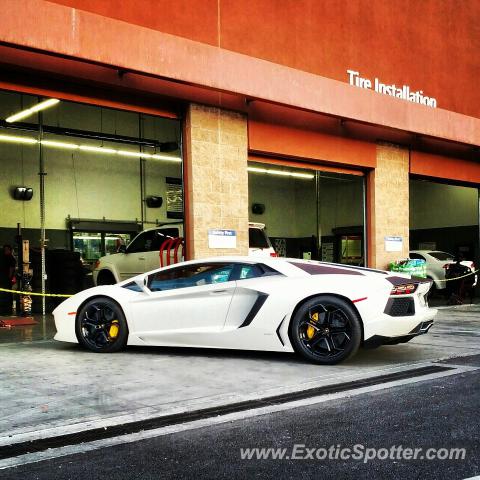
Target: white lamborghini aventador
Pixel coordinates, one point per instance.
(320, 310)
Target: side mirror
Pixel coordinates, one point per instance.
(142, 284)
(122, 249)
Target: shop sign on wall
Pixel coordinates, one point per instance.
(393, 244)
(393, 90)
(218, 238)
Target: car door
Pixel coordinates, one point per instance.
(184, 301)
(133, 260)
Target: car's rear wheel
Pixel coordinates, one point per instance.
(101, 326)
(326, 330)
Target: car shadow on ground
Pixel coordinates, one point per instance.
(383, 356)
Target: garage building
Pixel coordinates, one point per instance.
(350, 129)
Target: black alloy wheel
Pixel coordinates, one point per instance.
(101, 326)
(326, 330)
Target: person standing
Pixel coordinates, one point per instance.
(7, 277)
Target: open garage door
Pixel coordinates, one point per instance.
(309, 212)
(81, 180)
(444, 226)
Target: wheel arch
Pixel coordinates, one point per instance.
(107, 269)
(341, 297)
(107, 298)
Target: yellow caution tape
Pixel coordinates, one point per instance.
(34, 293)
(458, 278)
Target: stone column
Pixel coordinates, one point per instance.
(388, 204)
(216, 183)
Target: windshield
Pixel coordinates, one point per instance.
(442, 256)
(257, 238)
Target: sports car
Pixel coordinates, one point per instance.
(322, 311)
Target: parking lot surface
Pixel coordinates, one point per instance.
(47, 386)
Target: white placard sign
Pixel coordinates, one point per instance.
(393, 244)
(219, 238)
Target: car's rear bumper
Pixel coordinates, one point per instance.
(377, 340)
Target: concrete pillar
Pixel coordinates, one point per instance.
(216, 183)
(388, 204)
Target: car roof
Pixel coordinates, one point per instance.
(428, 252)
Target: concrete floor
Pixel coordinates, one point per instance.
(48, 387)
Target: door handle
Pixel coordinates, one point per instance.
(217, 292)
(141, 258)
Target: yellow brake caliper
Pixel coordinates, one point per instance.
(114, 328)
(310, 329)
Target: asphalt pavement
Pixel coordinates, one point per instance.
(439, 414)
(420, 395)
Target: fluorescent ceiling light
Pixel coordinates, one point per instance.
(284, 173)
(90, 148)
(87, 148)
(30, 111)
(15, 139)
(127, 153)
(52, 143)
(157, 156)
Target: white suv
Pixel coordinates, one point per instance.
(143, 252)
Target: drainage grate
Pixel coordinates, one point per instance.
(40, 445)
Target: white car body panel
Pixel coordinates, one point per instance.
(222, 315)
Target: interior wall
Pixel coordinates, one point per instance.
(82, 184)
(290, 204)
(437, 205)
(341, 204)
(279, 197)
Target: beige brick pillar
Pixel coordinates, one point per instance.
(388, 204)
(216, 183)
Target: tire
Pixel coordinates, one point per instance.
(326, 330)
(105, 278)
(101, 326)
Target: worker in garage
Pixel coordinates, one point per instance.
(459, 282)
(7, 278)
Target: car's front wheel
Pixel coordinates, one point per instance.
(101, 326)
(326, 330)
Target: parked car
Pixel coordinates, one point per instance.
(437, 264)
(143, 252)
(321, 311)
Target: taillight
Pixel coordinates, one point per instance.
(97, 264)
(472, 266)
(403, 289)
(274, 254)
(446, 266)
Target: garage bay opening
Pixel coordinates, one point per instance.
(310, 213)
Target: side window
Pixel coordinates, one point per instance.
(170, 232)
(249, 271)
(256, 270)
(190, 276)
(416, 256)
(138, 244)
(157, 240)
